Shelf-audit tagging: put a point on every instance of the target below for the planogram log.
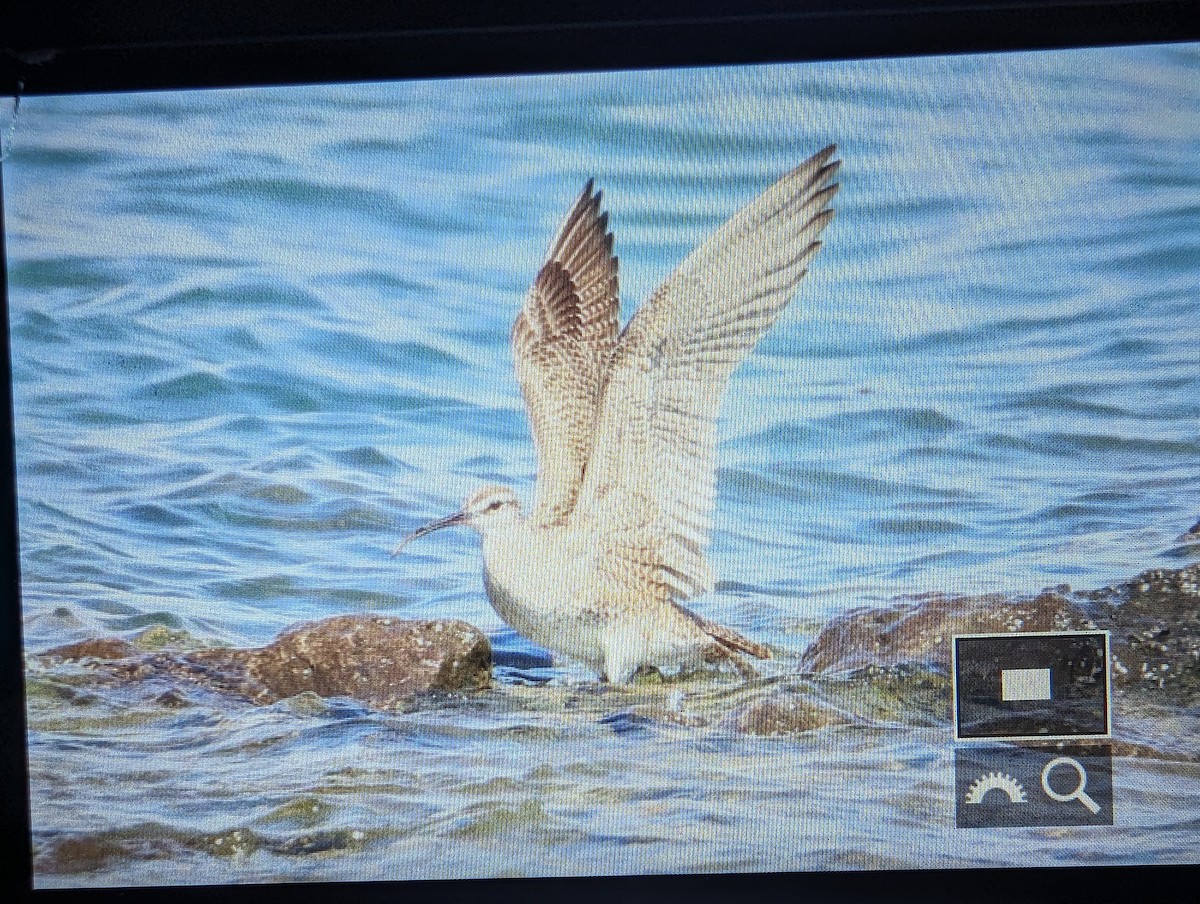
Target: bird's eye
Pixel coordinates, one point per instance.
(494, 506)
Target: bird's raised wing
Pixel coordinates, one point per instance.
(650, 485)
(562, 341)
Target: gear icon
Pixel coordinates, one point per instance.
(996, 781)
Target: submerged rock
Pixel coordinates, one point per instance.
(160, 637)
(102, 648)
(380, 661)
(57, 622)
(172, 699)
(787, 712)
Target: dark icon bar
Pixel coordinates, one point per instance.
(1009, 785)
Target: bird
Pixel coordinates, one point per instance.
(624, 423)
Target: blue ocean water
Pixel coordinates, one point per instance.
(258, 335)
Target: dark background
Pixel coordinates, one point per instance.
(53, 46)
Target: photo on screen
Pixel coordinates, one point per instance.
(587, 474)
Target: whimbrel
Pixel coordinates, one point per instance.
(625, 430)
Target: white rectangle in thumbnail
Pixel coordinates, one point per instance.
(1024, 684)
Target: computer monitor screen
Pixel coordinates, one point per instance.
(757, 468)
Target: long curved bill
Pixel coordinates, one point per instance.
(448, 521)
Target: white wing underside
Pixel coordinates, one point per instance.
(626, 427)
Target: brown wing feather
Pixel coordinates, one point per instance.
(562, 341)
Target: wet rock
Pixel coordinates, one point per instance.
(894, 662)
(303, 812)
(319, 843)
(899, 695)
(160, 637)
(1147, 725)
(787, 713)
(627, 722)
(78, 854)
(58, 621)
(919, 631)
(311, 705)
(105, 648)
(172, 699)
(1154, 621)
(904, 694)
(380, 661)
(1155, 625)
(43, 689)
(234, 843)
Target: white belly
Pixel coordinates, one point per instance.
(546, 588)
(544, 582)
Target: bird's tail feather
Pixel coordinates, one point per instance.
(727, 637)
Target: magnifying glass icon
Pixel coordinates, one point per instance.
(1079, 793)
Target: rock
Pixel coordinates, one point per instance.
(172, 699)
(919, 632)
(1154, 621)
(75, 854)
(910, 695)
(898, 657)
(160, 637)
(377, 660)
(380, 661)
(59, 620)
(105, 648)
(1155, 625)
(786, 713)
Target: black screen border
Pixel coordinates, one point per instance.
(60, 47)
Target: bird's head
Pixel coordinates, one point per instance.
(485, 510)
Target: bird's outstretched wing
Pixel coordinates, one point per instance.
(562, 341)
(650, 485)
